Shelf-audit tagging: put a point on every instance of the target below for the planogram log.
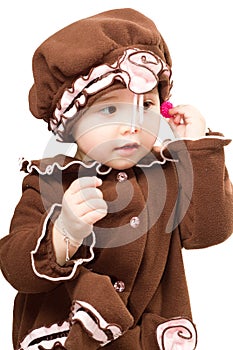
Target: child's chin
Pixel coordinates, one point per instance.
(120, 164)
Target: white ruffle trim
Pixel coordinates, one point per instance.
(76, 262)
(94, 323)
(46, 337)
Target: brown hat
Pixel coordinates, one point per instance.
(90, 55)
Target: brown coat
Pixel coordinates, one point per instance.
(187, 204)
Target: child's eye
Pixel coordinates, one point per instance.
(148, 104)
(108, 110)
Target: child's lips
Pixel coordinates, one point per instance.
(128, 145)
(127, 149)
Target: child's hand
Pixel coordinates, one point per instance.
(82, 206)
(187, 121)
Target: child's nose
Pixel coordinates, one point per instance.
(129, 129)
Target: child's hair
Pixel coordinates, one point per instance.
(92, 54)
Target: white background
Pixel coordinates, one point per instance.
(199, 35)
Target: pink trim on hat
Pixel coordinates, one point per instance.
(139, 70)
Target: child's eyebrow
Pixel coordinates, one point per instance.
(106, 99)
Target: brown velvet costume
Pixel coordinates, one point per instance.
(135, 281)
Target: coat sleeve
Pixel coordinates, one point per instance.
(98, 314)
(205, 204)
(27, 257)
(155, 332)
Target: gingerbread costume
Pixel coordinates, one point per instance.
(125, 287)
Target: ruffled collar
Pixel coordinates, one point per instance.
(61, 162)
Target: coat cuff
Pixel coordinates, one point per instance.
(210, 141)
(98, 307)
(43, 257)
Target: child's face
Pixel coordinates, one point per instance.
(105, 132)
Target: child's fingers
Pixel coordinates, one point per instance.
(179, 109)
(86, 194)
(84, 182)
(90, 205)
(93, 216)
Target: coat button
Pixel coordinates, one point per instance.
(122, 176)
(119, 286)
(134, 222)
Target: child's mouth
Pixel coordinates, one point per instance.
(127, 149)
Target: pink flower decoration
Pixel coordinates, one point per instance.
(143, 69)
(164, 109)
(177, 334)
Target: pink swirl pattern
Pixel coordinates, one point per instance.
(177, 334)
